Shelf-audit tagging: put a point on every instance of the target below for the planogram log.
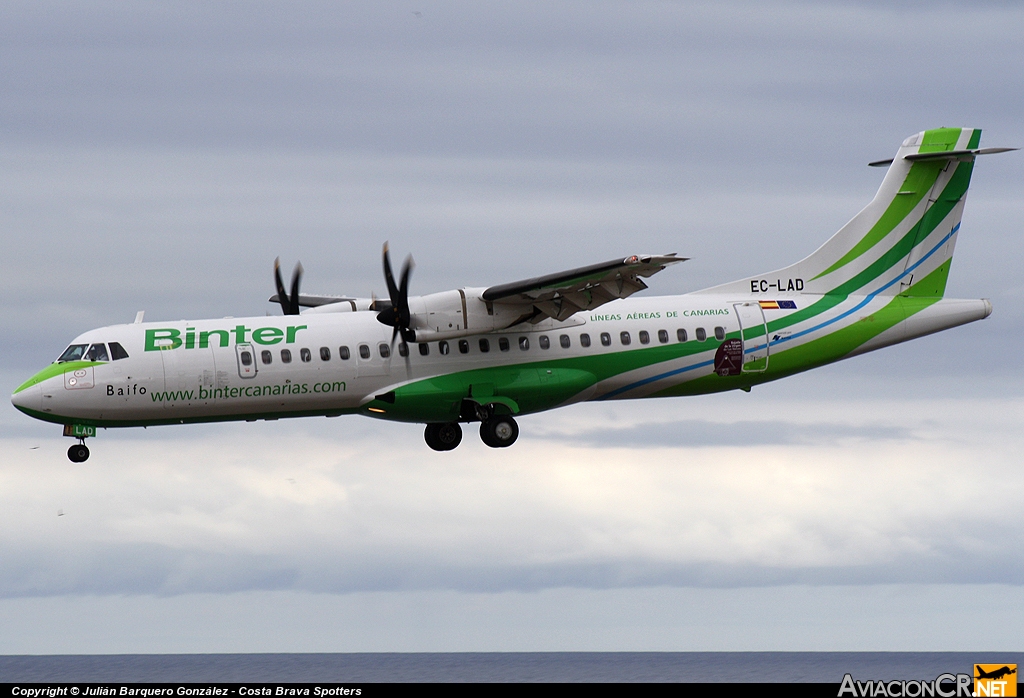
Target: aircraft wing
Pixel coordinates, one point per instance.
(310, 301)
(565, 293)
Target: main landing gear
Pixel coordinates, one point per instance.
(444, 436)
(496, 432)
(79, 453)
(499, 432)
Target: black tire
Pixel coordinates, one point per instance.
(79, 453)
(499, 432)
(444, 436)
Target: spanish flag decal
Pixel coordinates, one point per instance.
(777, 305)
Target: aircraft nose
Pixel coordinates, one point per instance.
(28, 398)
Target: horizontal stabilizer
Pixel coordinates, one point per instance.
(943, 155)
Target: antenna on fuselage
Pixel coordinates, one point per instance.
(138, 317)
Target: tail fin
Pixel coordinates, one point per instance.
(900, 243)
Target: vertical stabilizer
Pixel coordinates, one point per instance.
(900, 243)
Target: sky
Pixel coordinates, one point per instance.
(159, 156)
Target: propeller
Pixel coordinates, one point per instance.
(398, 314)
(289, 304)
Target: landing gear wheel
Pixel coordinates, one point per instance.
(443, 437)
(499, 432)
(79, 453)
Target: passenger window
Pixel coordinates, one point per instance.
(246, 358)
(384, 350)
(463, 346)
(645, 337)
(325, 354)
(98, 352)
(266, 356)
(364, 351)
(344, 353)
(424, 349)
(564, 341)
(681, 335)
(117, 351)
(624, 338)
(606, 339)
(286, 356)
(584, 340)
(719, 333)
(503, 343)
(442, 347)
(485, 346)
(403, 349)
(663, 336)
(701, 334)
(524, 343)
(305, 355)
(544, 342)
(73, 353)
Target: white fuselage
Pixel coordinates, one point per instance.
(335, 363)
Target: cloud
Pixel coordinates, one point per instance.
(922, 618)
(697, 433)
(292, 507)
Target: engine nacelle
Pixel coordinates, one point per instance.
(459, 313)
(347, 305)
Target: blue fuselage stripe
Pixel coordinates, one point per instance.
(870, 297)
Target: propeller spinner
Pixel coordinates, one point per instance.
(289, 303)
(398, 315)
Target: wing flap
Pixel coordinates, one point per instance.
(566, 293)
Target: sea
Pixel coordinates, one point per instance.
(504, 667)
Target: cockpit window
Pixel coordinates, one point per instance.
(117, 351)
(73, 353)
(97, 352)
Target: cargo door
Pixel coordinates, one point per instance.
(188, 377)
(246, 359)
(754, 331)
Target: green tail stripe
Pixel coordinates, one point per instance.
(933, 285)
(918, 183)
(954, 191)
(937, 140)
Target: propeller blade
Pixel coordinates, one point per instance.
(289, 304)
(398, 315)
(389, 278)
(282, 297)
(293, 302)
(404, 313)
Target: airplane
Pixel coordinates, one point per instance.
(489, 355)
(994, 674)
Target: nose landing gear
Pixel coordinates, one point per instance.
(79, 453)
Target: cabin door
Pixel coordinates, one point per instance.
(754, 331)
(188, 377)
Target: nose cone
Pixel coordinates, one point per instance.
(28, 399)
